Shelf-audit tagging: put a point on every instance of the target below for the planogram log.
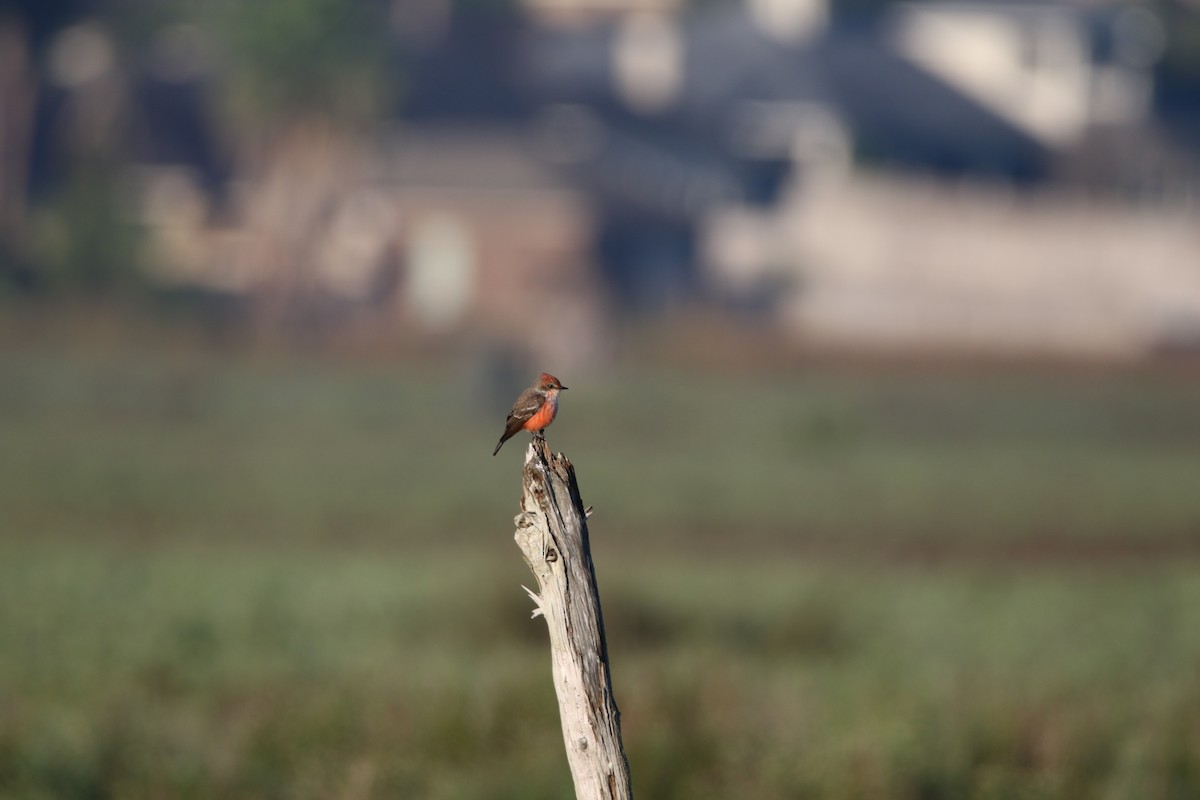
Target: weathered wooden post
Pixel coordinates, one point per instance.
(553, 537)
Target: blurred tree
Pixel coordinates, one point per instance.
(85, 245)
(288, 60)
(26, 26)
(18, 95)
(301, 87)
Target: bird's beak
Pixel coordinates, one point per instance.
(564, 388)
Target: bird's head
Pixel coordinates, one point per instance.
(546, 382)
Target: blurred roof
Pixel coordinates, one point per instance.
(896, 109)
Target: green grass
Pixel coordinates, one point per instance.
(239, 671)
(195, 446)
(256, 578)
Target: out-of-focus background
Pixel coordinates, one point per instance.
(882, 323)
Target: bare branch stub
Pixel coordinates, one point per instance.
(553, 538)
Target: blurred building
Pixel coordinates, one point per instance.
(972, 176)
(1054, 71)
(449, 233)
(492, 238)
(901, 265)
(767, 107)
(1008, 100)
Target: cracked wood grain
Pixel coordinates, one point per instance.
(553, 538)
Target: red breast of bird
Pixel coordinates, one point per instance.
(544, 415)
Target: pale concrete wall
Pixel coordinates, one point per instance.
(901, 263)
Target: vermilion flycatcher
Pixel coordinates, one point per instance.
(534, 410)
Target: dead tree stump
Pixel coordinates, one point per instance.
(553, 537)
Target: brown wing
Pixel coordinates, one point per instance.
(526, 406)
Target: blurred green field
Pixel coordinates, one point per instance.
(257, 577)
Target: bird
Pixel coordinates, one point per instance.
(534, 409)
